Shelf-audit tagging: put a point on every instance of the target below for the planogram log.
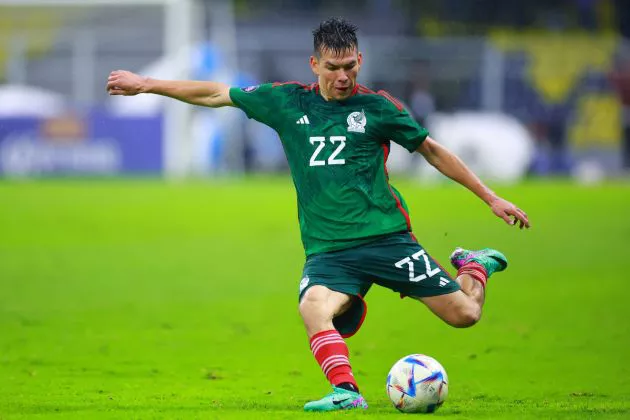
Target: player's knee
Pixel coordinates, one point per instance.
(315, 314)
(466, 317)
(313, 305)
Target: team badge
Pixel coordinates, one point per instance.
(304, 283)
(249, 89)
(357, 121)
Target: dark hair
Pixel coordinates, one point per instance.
(336, 35)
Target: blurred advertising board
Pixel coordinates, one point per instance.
(94, 144)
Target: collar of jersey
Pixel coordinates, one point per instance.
(315, 88)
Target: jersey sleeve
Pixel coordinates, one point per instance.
(400, 127)
(262, 103)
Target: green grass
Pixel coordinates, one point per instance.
(142, 299)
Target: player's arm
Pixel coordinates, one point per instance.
(453, 167)
(210, 94)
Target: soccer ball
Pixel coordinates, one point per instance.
(417, 384)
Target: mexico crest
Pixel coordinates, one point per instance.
(357, 121)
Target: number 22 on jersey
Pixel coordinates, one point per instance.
(320, 143)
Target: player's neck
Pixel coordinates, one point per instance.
(328, 98)
(322, 93)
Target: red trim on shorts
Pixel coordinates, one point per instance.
(398, 203)
(360, 321)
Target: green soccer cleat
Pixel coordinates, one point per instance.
(491, 259)
(339, 399)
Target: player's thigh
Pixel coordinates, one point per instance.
(456, 308)
(401, 264)
(336, 288)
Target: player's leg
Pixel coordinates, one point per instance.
(319, 306)
(328, 314)
(399, 263)
(457, 309)
(463, 308)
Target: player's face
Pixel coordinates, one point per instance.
(336, 73)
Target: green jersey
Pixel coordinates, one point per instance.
(337, 152)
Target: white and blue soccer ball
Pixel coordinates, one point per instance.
(417, 384)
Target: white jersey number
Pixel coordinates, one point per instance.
(410, 265)
(320, 143)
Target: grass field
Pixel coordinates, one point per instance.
(142, 299)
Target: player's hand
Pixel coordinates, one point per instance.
(126, 83)
(509, 212)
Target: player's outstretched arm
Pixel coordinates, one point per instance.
(210, 94)
(453, 167)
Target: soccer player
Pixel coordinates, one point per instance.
(354, 225)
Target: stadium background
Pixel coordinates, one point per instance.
(149, 252)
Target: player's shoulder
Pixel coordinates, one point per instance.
(292, 87)
(380, 98)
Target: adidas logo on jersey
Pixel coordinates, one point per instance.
(303, 120)
(443, 281)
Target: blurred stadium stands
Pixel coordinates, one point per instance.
(548, 63)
